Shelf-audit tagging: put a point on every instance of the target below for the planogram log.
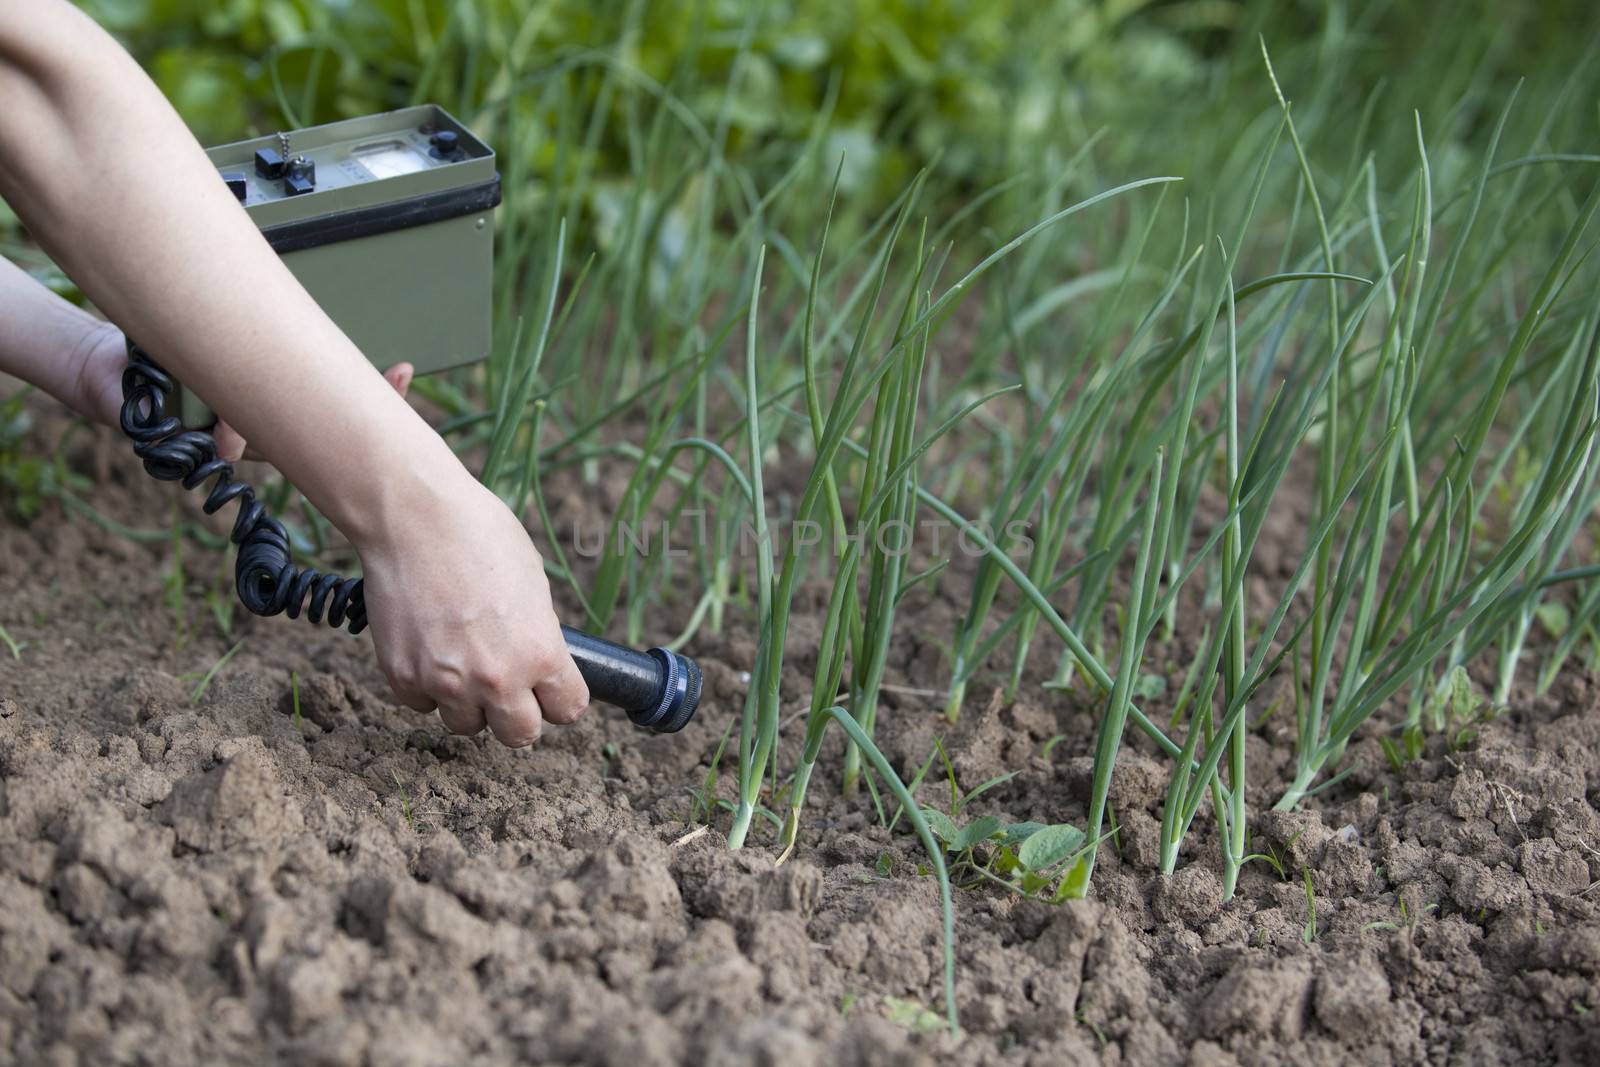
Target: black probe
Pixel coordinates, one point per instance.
(659, 689)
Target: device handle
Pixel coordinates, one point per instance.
(658, 688)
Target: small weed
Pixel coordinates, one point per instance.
(1270, 858)
(206, 677)
(1310, 933)
(221, 605)
(1409, 748)
(1028, 858)
(1083, 1019)
(405, 802)
(704, 799)
(1411, 921)
(12, 644)
(912, 1015)
(174, 581)
(22, 477)
(1457, 710)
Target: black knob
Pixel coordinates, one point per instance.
(446, 145)
(659, 689)
(236, 184)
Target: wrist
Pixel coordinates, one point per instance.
(92, 372)
(409, 499)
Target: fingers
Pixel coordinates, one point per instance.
(463, 719)
(516, 716)
(563, 694)
(230, 446)
(515, 720)
(400, 376)
(407, 691)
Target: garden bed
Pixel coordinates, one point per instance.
(290, 866)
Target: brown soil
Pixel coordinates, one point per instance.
(215, 881)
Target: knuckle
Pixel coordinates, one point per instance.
(490, 679)
(553, 659)
(567, 711)
(448, 685)
(543, 666)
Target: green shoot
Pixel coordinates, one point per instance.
(211, 673)
(1309, 933)
(12, 644)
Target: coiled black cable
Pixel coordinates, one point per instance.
(265, 576)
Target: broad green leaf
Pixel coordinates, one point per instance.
(1076, 884)
(975, 832)
(1018, 832)
(943, 827)
(1149, 686)
(1048, 847)
(1554, 617)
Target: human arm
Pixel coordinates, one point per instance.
(78, 358)
(459, 606)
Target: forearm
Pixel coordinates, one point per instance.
(47, 341)
(110, 183)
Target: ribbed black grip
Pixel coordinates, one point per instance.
(659, 689)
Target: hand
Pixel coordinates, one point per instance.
(456, 594)
(99, 379)
(462, 618)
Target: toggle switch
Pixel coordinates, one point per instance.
(301, 176)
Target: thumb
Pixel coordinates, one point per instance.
(400, 376)
(230, 446)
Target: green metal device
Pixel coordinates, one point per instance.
(387, 220)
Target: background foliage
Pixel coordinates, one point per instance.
(984, 90)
